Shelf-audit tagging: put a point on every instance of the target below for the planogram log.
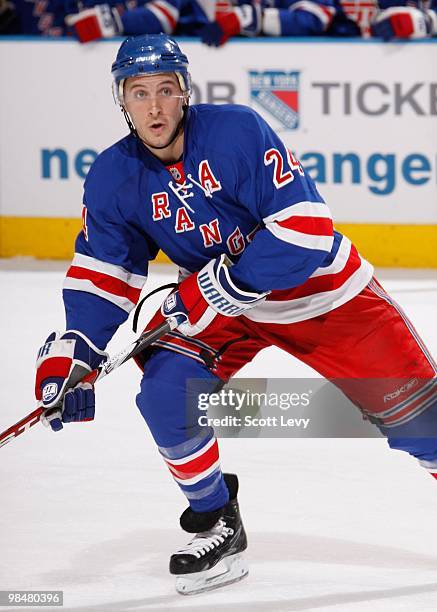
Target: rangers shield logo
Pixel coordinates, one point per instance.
(277, 92)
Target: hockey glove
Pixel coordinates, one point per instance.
(100, 21)
(61, 364)
(403, 22)
(208, 297)
(244, 19)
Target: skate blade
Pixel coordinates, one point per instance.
(229, 570)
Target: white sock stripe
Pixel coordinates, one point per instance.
(187, 446)
(195, 455)
(198, 477)
(200, 493)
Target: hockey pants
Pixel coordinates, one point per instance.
(367, 347)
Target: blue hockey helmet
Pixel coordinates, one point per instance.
(149, 54)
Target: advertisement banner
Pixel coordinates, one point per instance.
(361, 117)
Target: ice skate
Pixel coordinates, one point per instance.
(213, 558)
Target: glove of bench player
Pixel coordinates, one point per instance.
(207, 297)
(100, 21)
(404, 22)
(61, 364)
(244, 19)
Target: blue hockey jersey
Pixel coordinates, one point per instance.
(47, 17)
(238, 191)
(307, 18)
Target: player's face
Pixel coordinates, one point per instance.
(155, 105)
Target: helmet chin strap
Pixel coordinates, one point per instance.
(129, 122)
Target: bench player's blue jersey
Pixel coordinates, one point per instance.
(238, 191)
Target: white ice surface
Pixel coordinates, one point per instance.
(343, 525)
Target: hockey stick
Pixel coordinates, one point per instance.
(143, 341)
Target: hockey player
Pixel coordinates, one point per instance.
(261, 265)
(92, 20)
(214, 21)
(89, 20)
(307, 18)
(407, 19)
(37, 18)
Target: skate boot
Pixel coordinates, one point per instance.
(213, 558)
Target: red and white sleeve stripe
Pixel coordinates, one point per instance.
(327, 288)
(195, 467)
(166, 13)
(306, 224)
(108, 281)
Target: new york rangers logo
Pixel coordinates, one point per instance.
(277, 92)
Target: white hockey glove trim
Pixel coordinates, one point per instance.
(405, 22)
(206, 294)
(62, 362)
(101, 21)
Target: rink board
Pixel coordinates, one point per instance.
(360, 115)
